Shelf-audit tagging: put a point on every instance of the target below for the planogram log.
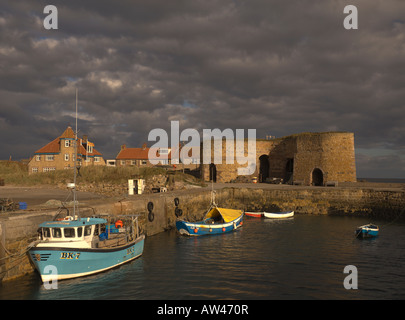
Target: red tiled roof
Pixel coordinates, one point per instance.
(137, 154)
(81, 150)
(51, 147)
(54, 146)
(68, 133)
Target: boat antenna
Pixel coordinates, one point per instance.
(213, 203)
(75, 169)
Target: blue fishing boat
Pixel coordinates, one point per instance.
(76, 247)
(367, 231)
(216, 221)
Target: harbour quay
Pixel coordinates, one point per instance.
(158, 212)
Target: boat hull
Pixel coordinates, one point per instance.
(201, 228)
(254, 214)
(278, 215)
(56, 263)
(367, 232)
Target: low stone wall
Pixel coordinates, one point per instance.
(18, 229)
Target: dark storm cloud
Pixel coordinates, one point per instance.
(281, 67)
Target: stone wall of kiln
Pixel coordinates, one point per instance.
(293, 159)
(226, 172)
(281, 155)
(331, 153)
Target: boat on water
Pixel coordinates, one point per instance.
(216, 221)
(367, 231)
(254, 214)
(278, 215)
(73, 246)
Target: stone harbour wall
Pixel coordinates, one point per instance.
(18, 229)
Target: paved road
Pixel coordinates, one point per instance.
(39, 195)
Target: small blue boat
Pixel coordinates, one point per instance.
(367, 231)
(75, 247)
(216, 221)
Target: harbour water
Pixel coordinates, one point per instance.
(298, 258)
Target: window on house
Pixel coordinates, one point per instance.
(34, 169)
(144, 161)
(66, 156)
(67, 143)
(37, 158)
(133, 162)
(49, 157)
(96, 159)
(123, 162)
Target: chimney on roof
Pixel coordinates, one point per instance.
(123, 147)
(144, 146)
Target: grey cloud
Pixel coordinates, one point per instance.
(280, 67)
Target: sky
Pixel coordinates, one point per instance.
(280, 67)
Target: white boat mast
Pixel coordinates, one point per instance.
(75, 169)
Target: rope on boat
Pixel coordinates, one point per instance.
(399, 215)
(16, 255)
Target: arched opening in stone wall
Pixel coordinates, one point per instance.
(289, 170)
(213, 172)
(264, 168)
(317, 177)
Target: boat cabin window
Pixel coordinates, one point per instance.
(96, 230)
(99, 229)
(79, 232)
(46, 232)
(69, 232)
(56, 233)
(87, 231)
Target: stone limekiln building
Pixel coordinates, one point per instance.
(306, 158)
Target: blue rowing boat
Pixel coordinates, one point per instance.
(367, 231)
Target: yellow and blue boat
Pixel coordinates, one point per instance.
(216, 221)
